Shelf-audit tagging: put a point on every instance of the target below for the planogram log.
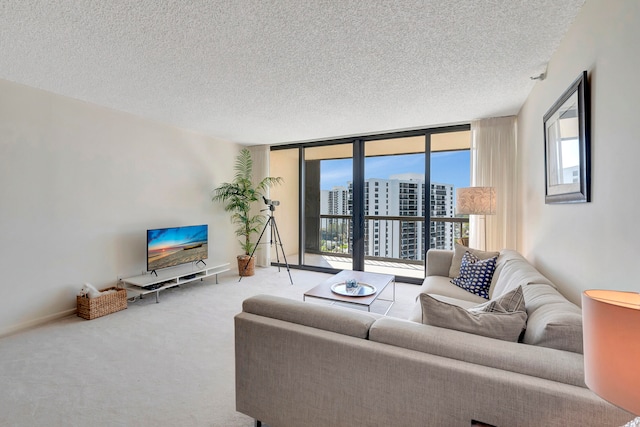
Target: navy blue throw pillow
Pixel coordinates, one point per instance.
(475, 274)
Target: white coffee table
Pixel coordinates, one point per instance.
(379, 281)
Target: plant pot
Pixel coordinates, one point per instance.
(243, 268)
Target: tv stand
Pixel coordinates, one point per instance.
(170, 277)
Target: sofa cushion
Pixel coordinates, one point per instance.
(475, 274)
(553, 321)
(566, 367)
(513, 271)
(459, 250)
(501, 325)
(439, 262)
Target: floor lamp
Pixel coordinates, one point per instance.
(476, 201)
(611, 335)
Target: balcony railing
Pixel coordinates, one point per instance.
(391, 238)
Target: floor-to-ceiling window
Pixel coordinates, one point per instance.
(376, 203)
(450, 167)
(394, 188)
(328, 206)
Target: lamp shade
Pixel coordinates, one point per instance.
(476, 201)
(611, 334)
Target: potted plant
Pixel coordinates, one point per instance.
(238, 197)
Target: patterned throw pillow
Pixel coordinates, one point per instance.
(458, 253)
(475, 274)
(508, 303)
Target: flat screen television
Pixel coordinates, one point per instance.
(168, 247)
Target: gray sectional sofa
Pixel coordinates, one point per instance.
(300, 363)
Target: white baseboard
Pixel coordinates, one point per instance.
(36, 322)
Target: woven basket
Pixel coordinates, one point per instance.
(90, 308)
(243, 268)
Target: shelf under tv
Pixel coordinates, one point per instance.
(170, 277)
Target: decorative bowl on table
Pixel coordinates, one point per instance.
(348, 289)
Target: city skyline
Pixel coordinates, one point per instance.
(386, 235)
(452, 167)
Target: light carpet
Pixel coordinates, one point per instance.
(166, 364)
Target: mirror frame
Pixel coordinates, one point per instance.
(581, 88)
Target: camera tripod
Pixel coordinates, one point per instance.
(275, 238)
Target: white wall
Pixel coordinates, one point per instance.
(79, 186)
(592, 245)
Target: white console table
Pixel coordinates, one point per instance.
(170, 277)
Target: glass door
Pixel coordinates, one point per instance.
(450, 167)
(394, 183)
(328, 203)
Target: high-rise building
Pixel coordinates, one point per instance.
(335, 231)
(338, 201)
(393, 199)
(441, 233)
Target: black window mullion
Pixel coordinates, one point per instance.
(358, 205)
(301, 210)
(426, 244)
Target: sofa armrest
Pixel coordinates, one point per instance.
(567, 367)
(329, 318)
(439, 262)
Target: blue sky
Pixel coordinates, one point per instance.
(450, 167)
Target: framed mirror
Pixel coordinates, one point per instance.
(567, 154)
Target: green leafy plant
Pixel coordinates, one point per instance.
(238, 197)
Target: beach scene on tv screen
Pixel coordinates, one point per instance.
(173, 246)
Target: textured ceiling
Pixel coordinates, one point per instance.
(269, 71)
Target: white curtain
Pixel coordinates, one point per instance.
(260, 158)
(493, 164)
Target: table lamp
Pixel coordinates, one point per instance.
(611, 334)
(476, 201)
